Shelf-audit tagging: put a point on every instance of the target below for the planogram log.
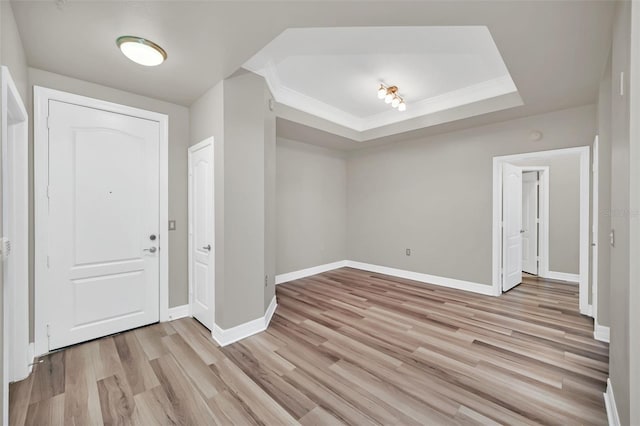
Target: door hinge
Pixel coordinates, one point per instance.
(48, 122)
(47, 261)
(48, 191)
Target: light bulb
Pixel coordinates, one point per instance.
(388, 98)
(382, 92)
(395, 102)
(402, 106)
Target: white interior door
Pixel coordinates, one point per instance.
(512, 226)
(201, 223)
(103, 221)
(530, 222)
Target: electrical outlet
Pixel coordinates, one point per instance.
(408, 252)
(172, 225)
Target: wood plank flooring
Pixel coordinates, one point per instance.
(344, 347)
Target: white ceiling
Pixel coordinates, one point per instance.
(555, 51)
(334, 73)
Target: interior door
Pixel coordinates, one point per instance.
(512, 226)
(201, 268)
(530, 222)
(103, 223)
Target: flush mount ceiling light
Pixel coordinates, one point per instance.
(390, 96)
(141, 51)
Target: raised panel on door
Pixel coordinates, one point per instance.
(512, 226)
(201, 233)
(103, 208)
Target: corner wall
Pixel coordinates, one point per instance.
(311, 193)
(236, 113)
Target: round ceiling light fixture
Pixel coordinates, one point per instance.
(141, 51)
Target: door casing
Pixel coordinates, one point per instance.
(42, 96)
(15, 212)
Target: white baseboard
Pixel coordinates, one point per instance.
(485, 289)
(563, 276)
(302, 273)
(601, 332)
(610, 404)
(227, 336)
(31, 356)
(178, 312)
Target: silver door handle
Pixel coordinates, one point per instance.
(151, 250)
(207, 247)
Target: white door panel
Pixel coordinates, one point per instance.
(529, 222)
(201, 225)
(512, 226)
(103, 209)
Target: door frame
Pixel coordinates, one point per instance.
(594, 223)
(585, 214)
(42, 96)
(15, 212)
(191, 150)
(543, 217)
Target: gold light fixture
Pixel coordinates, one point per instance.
(141, 51)
(390, 96)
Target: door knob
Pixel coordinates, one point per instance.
(207, 247)
(151, 250)
(522, 231)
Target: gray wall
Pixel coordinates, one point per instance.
(604, 196)
(311, 204)
(434, 195)
(564, 211)
(236, 113)
(178, 142)
(619, 356)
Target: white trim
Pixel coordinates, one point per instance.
(307, 272)
(479, 92)
(32, 357)
(601, 332)
(178, 312)
(41, 107)
(426, 278)
(14, 123)
(610, 405)
(200, 145)
(595, 209)
(585, 184)
(563, 276)
(227, 336)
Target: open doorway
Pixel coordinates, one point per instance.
(527, 236)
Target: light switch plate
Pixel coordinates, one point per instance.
(172, 225)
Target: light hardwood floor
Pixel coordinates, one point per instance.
(345, 346)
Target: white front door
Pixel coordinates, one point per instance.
(103, 221)
(201, 266)
(512, 226)
(530, 222)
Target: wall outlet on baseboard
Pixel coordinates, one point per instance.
(408, 252)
